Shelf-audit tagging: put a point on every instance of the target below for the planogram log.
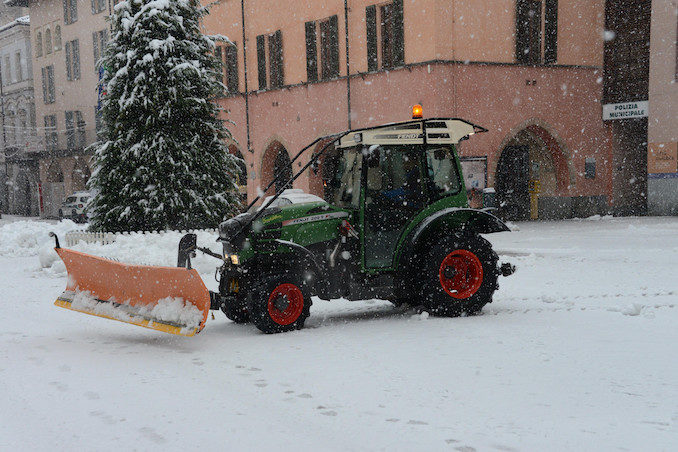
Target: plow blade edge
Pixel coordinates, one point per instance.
(169, 299)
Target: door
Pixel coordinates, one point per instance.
(393, 195)
(513, 180)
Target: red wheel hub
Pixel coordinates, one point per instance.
(461, 274)
(285, 304)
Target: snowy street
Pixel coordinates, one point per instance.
(578, 351)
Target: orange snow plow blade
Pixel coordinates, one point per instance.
(169, 299)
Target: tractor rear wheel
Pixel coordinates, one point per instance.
(279, 303)
(460, 275)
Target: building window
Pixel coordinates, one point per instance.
(530, 27)
(48, 84)
(57, 38)
(329, 49)
(75, 130)
(38, 44)
(276, 74)
(99, 39)
(389, 33)
(11, 129)
(231, 66)
(19, 71)
(98, 6)
(70, 11)
(48, 41)
(228, 56)
(73, 60)
(8, 71)
(50, 132)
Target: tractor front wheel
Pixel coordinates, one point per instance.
(279, 303)
(460, 275)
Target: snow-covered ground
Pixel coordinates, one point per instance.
(579, 351)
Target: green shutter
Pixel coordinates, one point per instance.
(311, 52)
(371, 22)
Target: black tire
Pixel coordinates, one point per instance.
(459, 286)
(262, 299)
(236, 310)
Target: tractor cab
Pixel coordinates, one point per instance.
(388, 176)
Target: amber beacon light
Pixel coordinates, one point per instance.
(417, 112)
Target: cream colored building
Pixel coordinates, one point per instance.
(663, 116)
(67, 36)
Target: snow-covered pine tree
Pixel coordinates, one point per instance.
(161, 161)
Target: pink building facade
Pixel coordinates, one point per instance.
(530, 71)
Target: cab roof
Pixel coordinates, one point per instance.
(438, 131)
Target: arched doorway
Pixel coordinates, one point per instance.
(532, 176)
(276, 164)
(81, 174)
(55, 191)
(22, 195)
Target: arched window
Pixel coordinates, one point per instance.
(48, 41)
(57, 38)
(38, 45)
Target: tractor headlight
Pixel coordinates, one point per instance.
(235, 260)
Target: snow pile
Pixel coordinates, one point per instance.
(167, 310)
(27, 238)
(174, 310)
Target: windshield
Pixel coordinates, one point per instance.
(70, 199)
(342, 171)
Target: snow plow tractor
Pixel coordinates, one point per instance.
(394, 224)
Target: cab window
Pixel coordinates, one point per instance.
(442, 172)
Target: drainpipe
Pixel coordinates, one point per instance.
(4, 143)
(348, 74)
(244, 54)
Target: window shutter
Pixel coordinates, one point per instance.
(50, 83)
(220, 67)
(74, 11)
(275, 55)
(232, 67)
(94, 6)
(261, 61)
(371, 22)
(95, 41)
(69, 61)
(67, 6)
(334, 46)
(398, 33)
(325, 53)
(44, 85)
(311, 52)
(76, 59)
(551, 32)
(386, 35)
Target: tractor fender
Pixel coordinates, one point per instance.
(304, 254)
(459, 218)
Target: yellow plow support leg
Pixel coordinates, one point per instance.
(169, 299)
